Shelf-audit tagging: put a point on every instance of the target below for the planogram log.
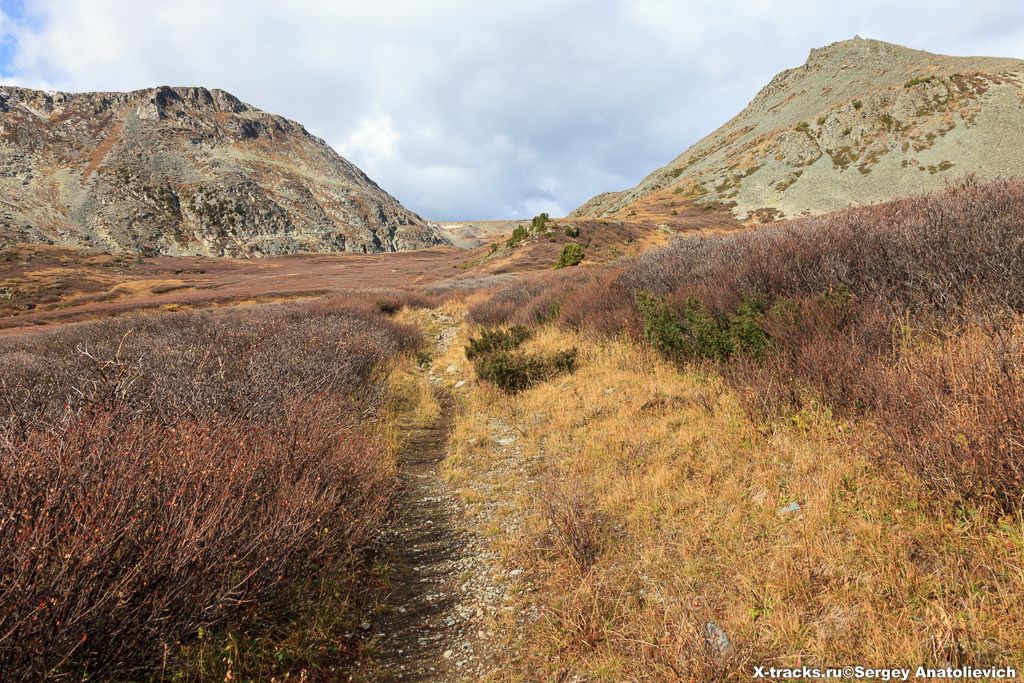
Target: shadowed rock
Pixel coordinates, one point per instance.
(184, 171)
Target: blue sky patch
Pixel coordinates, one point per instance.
(13, 11)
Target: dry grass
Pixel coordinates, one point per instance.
(822, 310)
(650, 516)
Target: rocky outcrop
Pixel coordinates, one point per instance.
(861, 122)
(185, 171)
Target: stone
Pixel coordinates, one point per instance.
(788, 509)
(717, 639)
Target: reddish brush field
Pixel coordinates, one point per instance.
(47, 285)
(44, 285)
(175, 482)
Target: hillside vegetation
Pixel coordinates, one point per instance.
(796, 444)
(800, 444)
(895, 312)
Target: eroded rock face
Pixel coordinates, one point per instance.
(185, 171)
(862, 121)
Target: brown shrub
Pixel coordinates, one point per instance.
(530, 299)
(932, 253)
(162, 474)
(502, 306)
(126, 538)
(243, 363)
(831, 349)
(605, 308)
(579, 530)
(953, 409)
(393, 300)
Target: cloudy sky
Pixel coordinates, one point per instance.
(466, 109)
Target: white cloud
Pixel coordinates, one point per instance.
(374, 138)
(465, 109)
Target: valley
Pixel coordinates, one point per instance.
(259, 421)
(577, 476)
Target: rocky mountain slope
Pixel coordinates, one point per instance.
(184, 171)
(861, 122)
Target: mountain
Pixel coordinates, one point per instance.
(861, 122)
(184, 171)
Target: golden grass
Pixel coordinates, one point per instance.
(664, 472)
(413, 395)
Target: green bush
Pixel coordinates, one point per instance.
(572, 231)
(697, 333)
(518, 235)
(539, 222)
(662, 327)
(745, 329)
(571, 255)
(498, 339)
(516, 371)
(496, 360)
(563, 361)
(709, 336)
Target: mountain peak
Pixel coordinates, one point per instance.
(184, 170)
(857, 45)
(864, 53)
(862, 121)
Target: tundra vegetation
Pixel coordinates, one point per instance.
(189, 494)
(800, 443)
(908, 312)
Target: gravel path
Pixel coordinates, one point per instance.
(434, 624)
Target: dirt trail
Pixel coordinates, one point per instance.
(429, 627)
